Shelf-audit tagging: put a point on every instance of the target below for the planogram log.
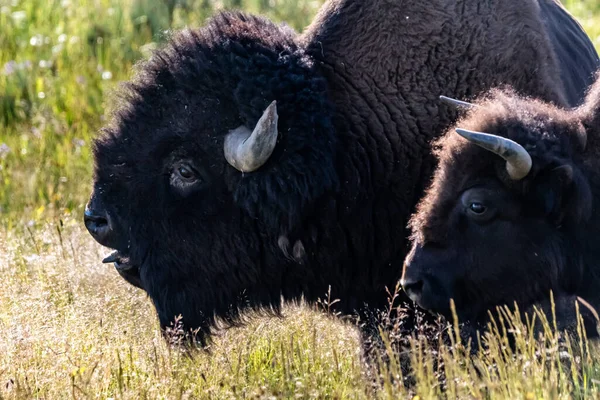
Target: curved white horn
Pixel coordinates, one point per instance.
(247, 151)
(457, 103)
(518, 160)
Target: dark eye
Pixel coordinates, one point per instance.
(477, 208)
(187, 176)
(185, 172)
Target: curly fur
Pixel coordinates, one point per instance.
(357, 102)
(542, 238)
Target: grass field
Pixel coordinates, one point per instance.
(71, 328)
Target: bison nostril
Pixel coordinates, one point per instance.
(94, 222)
(98, 226)
(413, 289)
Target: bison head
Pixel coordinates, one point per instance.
(215, 152)
(504, 219)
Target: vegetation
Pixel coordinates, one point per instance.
(70, 327)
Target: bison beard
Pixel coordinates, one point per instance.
(487, 237)
(356, 104)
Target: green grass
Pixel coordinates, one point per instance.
(70, 327)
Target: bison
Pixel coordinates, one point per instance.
(244, 163)
(511, 215)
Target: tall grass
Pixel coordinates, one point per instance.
(71, 328)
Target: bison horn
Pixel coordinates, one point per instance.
(518, 160)
(457, 103)
(247, 151)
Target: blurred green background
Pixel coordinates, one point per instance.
(59, 61)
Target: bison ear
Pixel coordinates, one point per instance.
(563, 195)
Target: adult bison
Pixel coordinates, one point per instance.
(511, 214)
(245, 163)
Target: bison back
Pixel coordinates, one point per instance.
(575, 53)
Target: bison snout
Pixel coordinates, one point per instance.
(428, 278)
(98, 224)
(428, 293)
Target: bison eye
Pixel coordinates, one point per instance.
(185, 177)
(185, 172)
(477, 208)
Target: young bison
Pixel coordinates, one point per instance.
(246, 163)
(512, 212)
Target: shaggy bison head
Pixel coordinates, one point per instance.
(215, 151)
(506, 215)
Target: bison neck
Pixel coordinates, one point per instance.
(387, 63)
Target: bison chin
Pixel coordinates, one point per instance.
(131, 274)
(125, 268)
